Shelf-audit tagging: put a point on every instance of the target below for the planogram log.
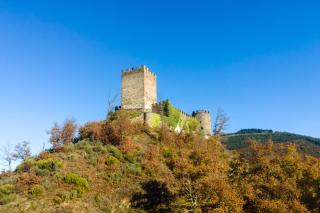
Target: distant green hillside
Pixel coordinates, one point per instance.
(238, 140)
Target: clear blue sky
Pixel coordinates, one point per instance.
(258, 60)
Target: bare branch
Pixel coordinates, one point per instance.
(22, 151)
(111, 104)
(7, 156)
(220, 124)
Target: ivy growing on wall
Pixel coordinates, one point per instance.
(191, 124)
(172, 115)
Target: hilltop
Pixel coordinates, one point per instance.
(122, 165)
(238, 140)
(150, 156)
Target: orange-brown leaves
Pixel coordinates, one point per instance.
(63, 135)
(272, 178)
(116, 131)
(28, 179)
(92, 130)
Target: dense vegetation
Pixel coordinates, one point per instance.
(239, 140)
(172, 117)
(123, 166)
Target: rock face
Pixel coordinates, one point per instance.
(139, 89)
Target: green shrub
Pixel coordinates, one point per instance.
(155, 120)
(91, 149)
(7, 189)
(8, 180)
(99, 148)
(116, 176)
(130, 157)
(78, 192)
(110, 160)
(49, 164)
(47, 183)
(168, 153)
(72, 157)
(7, 193)
(62, 197)
(131, 168)
(77, 180)
(86, 146)
(26, 165)
(92, 159)
(81, 144)
(136, 157)
(42, 172)
(114, 151)
(37, 190)
(135, 114)
(66, 196)
(191, 125)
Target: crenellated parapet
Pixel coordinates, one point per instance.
(137, 69)
(200, 111)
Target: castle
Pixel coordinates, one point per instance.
(139, 93)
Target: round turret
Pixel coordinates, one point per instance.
(204, 118)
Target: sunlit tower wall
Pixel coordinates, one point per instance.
(204, 119)
(139, 89)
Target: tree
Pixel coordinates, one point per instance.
(271, 178)
(68, 131)
(65, 135)
(220, 123)
(55, 135)
(91, 130)
(110, 104)
(22, 151)
(7, 156)
(156, 197)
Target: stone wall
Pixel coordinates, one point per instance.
(139, 89)
(205, 121)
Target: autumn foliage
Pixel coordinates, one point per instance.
(63, 135)
(124, 166)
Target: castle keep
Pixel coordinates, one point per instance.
(139, 89)
(139, 93)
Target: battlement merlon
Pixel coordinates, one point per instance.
(201, 111)
(141, 68)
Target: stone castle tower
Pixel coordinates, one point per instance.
(139, 89)
(204, 118)
(139, 92)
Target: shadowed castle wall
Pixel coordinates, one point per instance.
(150, 90)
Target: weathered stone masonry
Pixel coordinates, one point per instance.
(139, 89)
(205, 121)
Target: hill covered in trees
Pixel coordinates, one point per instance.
(240, 139)
(118, 165)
